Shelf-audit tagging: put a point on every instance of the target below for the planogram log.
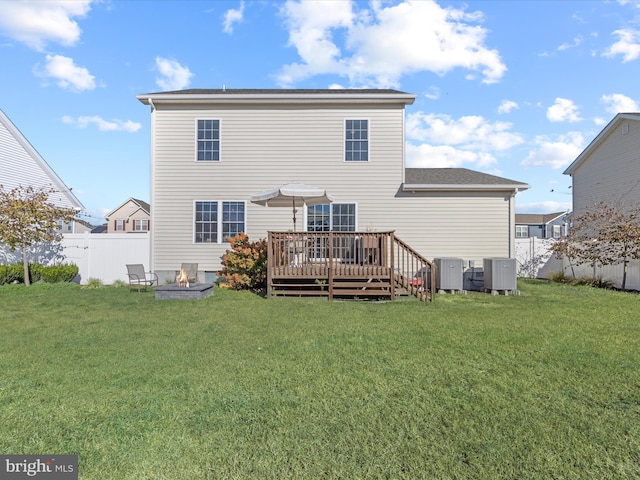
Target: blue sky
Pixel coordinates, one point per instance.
(511, 88)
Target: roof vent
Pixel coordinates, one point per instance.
(625, 128)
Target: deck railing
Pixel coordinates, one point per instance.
(329, 258)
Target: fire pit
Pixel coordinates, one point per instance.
(176, 292)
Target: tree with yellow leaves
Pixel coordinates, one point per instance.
(28, 217)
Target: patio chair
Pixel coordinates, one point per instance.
(192, 271)
(139, 279)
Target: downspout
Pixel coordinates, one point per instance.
(152, 190)
(512, 220)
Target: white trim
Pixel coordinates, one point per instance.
(455, 187)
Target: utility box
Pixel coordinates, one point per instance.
(500, 275)
(449, 274)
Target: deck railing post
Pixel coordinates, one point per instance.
(391, 240)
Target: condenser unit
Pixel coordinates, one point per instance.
(449, 273)
(500, 274)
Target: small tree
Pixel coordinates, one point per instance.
(604, 235)
(28, 217)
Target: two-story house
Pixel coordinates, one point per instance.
(132, 216)
(211, 150)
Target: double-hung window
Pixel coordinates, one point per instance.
(215, 221)
(118, 225)
(356, 145)
(522, 231)
(208, 133)
(140, 225)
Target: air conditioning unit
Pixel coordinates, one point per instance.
(500, 274)
(449, 273)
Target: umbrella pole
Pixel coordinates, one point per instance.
(294, 213)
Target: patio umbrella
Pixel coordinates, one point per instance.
(292, 195)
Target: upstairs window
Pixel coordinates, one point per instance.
(208, 141)
(356, 147)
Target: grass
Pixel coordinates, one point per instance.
(545, 385)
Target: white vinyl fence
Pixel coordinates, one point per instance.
(535, 261)
(99, 256)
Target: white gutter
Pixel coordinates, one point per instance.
(443, 187)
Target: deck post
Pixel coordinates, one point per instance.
(331, 266)
(270, 260)
(391, 240)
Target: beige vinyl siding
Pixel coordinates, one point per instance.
(471, 226)
(262, 148)
(611, 173)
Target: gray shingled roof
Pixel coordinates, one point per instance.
(259, 91)
(536, 218)
(456, 176)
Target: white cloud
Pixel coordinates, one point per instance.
(103, 125)
(67, 74)
(448, 142)
(471, 132)
(563, 110)
(576, 43)
(382, 44)
(618, 103)
(37, 23)
(231, 17)
(444, 156)
(506, 106)
(172, 75)
(628, 45)
(546, 206)
(555, 153)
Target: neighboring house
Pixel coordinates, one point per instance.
(537, 225)
(75, 226)
(211, 150)
(608, 170)
(22, 165)
(133, 216)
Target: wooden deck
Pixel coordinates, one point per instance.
(346, 264)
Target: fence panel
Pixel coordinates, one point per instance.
(101, 256)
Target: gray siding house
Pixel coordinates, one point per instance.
(608, 170)
(537, 225)
(22, 165)
(211, 150)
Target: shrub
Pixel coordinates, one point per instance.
(49, 273)
(11, 273)
(245, 265)
(119, 284)
(59, 273)
(93, 283)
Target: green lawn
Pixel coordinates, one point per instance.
(545, 385)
